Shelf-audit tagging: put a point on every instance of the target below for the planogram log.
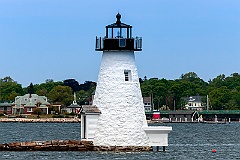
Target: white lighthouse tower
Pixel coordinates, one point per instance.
(117, 116)
(118, 94)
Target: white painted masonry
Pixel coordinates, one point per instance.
(122, 115)
(158, 135)
(118, 96)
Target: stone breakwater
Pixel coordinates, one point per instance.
(68, 145)
(41, 120)
(54, 145)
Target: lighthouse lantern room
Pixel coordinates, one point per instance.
(118, 37)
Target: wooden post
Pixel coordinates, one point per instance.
(164, 149)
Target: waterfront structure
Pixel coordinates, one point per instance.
(89, 120)
(183, 115)
(6, 107)
(27, 103)
(222, 115)
(194, 103)
(74, 107)
(147, 104)
(119, 115)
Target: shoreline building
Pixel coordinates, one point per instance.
(6, 107)
(27, 103)
(117, 116)
(194, 103)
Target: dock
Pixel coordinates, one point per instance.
(213, 122)
(159, 121)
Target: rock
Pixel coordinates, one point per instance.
(28, 144)
(68, 145)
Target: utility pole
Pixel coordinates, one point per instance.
(152, 101)
(174, 105)
(207, 103)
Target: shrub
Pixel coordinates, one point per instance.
(37, 111)
(70, 114)
(58, 116)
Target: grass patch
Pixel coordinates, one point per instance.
(35, 116)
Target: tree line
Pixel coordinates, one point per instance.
(60, 92)
(223, 92)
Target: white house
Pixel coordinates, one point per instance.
(27, 103)
(194, 103)
(147, 104)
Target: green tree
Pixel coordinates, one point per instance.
(232, 81)
(218, 81)
(44, 88)
(42, 92)
(30, 89)
(189, 75)
(72, 83)
(11, 96)
(176, 92)
(62, 94)
(85, 97)
(82, 97)
(234, 102)
(219, 97)
(157, 89)
(9, 89)
(6, 79)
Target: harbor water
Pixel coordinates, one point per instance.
(186, 141)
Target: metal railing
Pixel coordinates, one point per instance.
(100, 43)
(138, 43)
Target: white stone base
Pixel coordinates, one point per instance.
(158, 135)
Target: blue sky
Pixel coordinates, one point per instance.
(42, 39)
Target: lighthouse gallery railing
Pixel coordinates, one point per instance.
(118, 44)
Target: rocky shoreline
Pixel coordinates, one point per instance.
(54, 145)
(41, 120)
(68, 145)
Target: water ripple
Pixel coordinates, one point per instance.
(186, 142)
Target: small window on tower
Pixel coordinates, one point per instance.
(127, 74)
